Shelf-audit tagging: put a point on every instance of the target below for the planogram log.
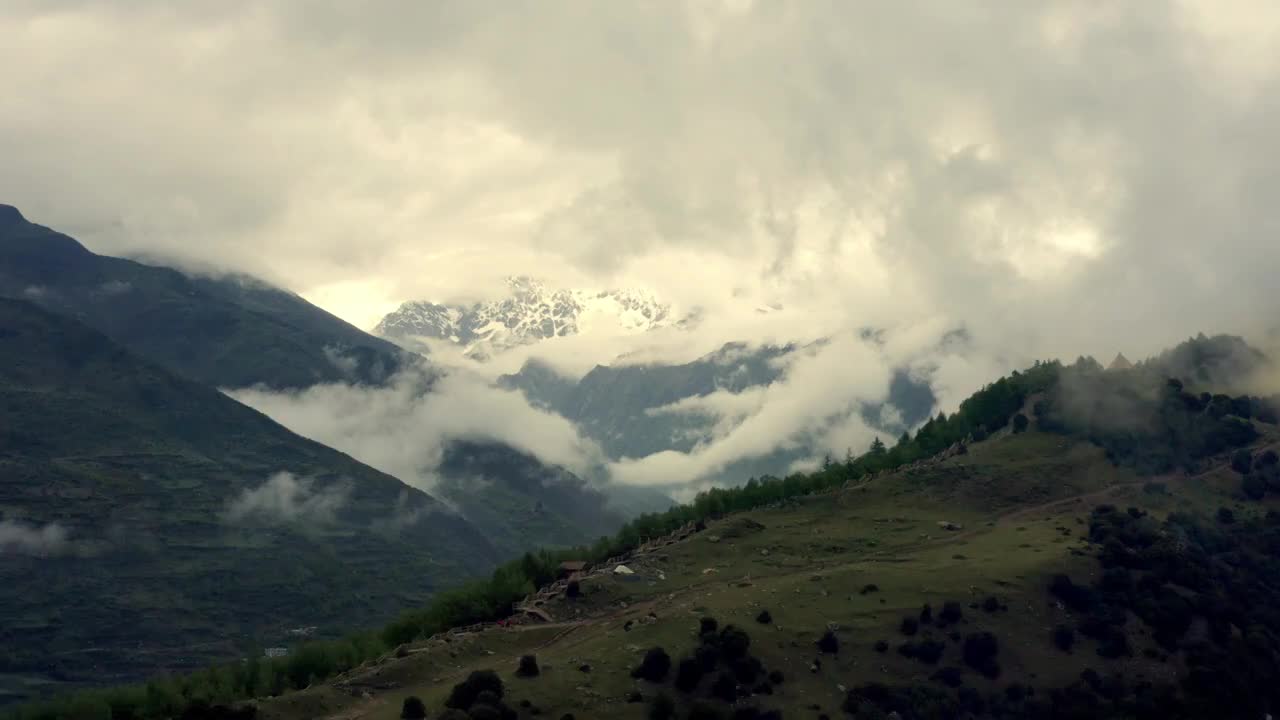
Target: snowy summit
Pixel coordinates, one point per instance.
(530, 313)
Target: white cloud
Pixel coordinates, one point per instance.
(403, 429)
(1058, 178)
(1067, 177)
(19, 538)
(286, 498)
(826, 383)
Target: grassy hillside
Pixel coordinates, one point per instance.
(854, 562)
(145, 527)
(230, 331)
(1071, 543)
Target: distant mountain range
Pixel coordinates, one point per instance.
(531, 312)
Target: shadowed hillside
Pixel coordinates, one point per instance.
(230, 331)
(151, 523)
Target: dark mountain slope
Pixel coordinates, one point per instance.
(521, 503)
(228, 332)
(146, 525)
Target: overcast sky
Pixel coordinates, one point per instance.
(1061, 177)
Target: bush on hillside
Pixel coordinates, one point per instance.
(725, 688)
(654, 667)
(926, 614)
(951, 614)
(1076, 597)
(527, 667)
(980, 651)
(925, 651)
(909, 626)
(734, 642)
(829, 643)
(464, 694)
(689, 673)
(1242, 461)
(413, 708)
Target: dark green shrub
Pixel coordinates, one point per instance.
(464, 694)
(689, 673)
(1242, 461)
(980, 651)
(528, 667)
(655, 666)
(829, 643)
(413, 708)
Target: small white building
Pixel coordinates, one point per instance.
(276, 652)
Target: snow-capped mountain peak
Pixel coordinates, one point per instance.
(529, 313)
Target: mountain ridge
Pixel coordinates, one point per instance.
(229, 331)
(530, 312)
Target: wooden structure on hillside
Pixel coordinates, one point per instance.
(570, 568)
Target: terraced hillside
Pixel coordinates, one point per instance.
(150, 524)
(831, 590)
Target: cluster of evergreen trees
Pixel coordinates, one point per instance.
(989, 410)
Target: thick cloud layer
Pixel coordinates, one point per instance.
(1062, 177)
(1058, 178)
(402, 430)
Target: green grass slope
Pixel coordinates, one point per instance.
(1021, 508)
(131, 471)
(231, 331)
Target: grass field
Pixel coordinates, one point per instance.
(1020, 504)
